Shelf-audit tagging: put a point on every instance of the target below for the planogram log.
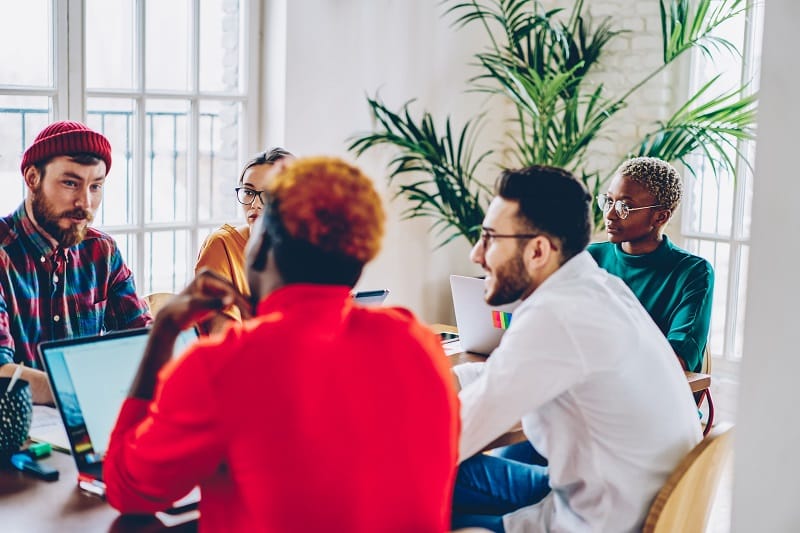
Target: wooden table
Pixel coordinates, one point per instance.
(30, 504)
(697, 382)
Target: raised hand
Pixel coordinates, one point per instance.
(206, 296)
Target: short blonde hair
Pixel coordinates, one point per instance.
(331, 205)
(657, 176)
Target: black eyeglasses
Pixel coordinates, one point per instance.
(487, 237)
(605, 203)
(247, 196)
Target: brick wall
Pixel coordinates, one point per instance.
(628, 59)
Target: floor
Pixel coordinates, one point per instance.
(724, 391)
(720, 520)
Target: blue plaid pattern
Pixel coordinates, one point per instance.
(51, 293)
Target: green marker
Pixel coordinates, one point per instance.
(39, 449)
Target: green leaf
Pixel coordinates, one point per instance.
(707, 124)
(684, 28)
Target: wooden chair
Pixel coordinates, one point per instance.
(684, 503)
(706, 393)
(155, 300)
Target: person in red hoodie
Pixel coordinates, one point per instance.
(316, 414)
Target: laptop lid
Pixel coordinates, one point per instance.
(90, 378)
(480, 325)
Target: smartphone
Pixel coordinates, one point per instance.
(446, 336)
(371, 297)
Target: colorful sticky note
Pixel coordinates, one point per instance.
(501, 319)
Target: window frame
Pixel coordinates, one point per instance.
(737, 240)
(69, 96)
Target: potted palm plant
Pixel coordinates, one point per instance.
(541, 61)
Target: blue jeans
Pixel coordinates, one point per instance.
(524, 452)
(488, 487)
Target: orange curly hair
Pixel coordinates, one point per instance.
(331, 205)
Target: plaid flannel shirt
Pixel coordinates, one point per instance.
(51, 293)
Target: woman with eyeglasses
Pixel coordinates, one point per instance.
(674, 285)
(223, 250)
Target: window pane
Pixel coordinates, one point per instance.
(219, 166)
(709, 204)
(26, 43)
(126, 242)
(746, 178)
(221, 45)
(738, 341)
(21, 118)
(723, 63)
(167, 44)
(166, 265)
(718, 254)
(166, 132)
(109, 44)
(114, 118)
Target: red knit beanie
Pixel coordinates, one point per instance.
(66, 138)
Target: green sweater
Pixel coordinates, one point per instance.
(674, 286)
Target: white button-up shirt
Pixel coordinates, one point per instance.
(600, 393)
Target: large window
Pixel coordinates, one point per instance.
(167, 82)
(716, 212)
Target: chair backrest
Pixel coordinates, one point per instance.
(684, 503)
(157, 299)
(706, 365)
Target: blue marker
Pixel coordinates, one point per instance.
(24, 463)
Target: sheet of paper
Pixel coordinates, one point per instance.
(47, 427)
(188, 507)
(172, 520)
(452, 347)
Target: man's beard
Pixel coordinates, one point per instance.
(48, 219)
(510, 282)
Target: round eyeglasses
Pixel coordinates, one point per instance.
(605, 203)
(247, 196)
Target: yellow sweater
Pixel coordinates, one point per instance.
(223, 252)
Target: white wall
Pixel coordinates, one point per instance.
(334, 53)
(767, 462)
(338, 52)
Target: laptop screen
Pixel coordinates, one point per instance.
(90, 378)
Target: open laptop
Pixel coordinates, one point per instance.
(480, 325)
(90, 378)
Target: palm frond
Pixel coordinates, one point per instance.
(449, 191)
(708, 125)
(686, 24)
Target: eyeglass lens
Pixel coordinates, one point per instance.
(605, 203)
(248, 196)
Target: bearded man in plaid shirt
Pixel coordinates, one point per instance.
(60, 278)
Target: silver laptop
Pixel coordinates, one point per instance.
(480, 325)
(90, 378)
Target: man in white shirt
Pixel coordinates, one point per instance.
(582, 365)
